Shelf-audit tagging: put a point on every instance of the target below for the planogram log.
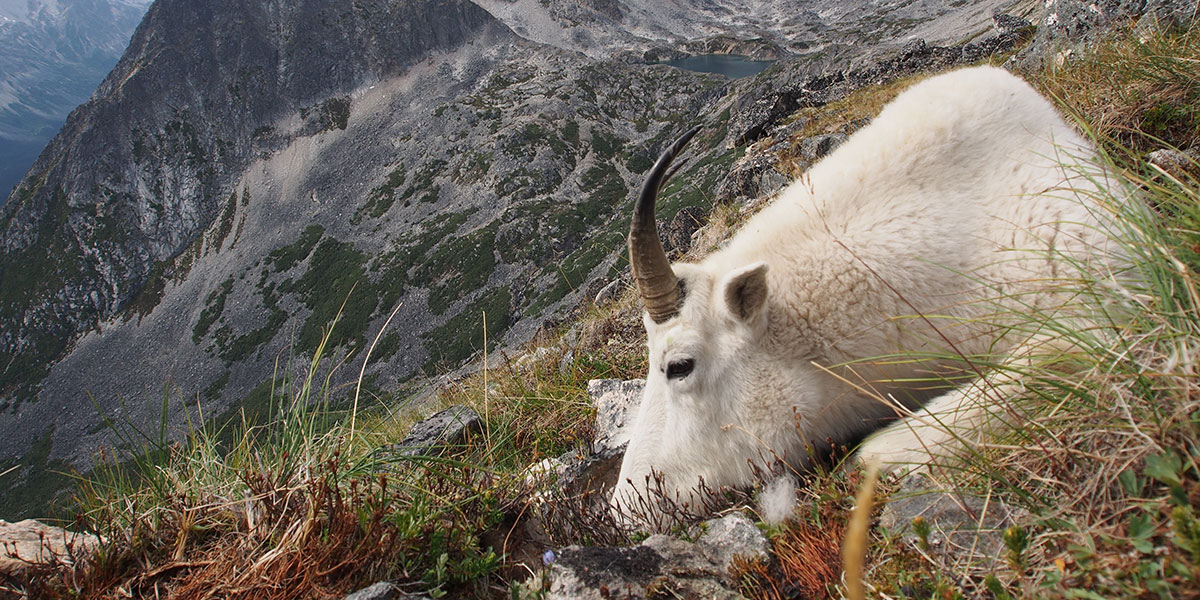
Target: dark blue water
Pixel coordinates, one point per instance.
(729, 65)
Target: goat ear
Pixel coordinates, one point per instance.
(746, 291)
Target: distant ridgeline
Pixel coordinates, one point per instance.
(52, 56)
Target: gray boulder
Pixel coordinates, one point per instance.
(448, 427)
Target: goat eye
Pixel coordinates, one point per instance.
(678, 369)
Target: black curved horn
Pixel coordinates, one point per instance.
(652, 272)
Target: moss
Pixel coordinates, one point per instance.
(570, 133)
(423, 184)
(463, 335)
(387, 347)
(473, 168)
(331, 114)
(212, 393)
(238, 348)
(572, 271)
(392, 267)
(224, 223)
(606, 145)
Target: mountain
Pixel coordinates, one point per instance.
(250, 171)
(53, 54)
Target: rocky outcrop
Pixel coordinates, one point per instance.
(52, 56)
(30, 546)
(797, 84)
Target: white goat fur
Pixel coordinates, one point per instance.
(960, 202)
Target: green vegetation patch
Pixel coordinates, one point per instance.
(286, 257)
(382, 197)
(458, 267)
(392, 268)
(462, 336)
(37, 487)
(214, 306)
(334, 270)
(331, 114)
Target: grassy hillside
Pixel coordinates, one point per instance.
(1100, 458)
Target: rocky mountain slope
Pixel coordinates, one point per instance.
(53, 53)
(249, 171)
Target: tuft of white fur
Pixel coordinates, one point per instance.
(777, 500)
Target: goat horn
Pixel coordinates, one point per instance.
(652, 272)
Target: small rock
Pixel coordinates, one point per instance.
(450, 426)
(752, 177)
(528, 359)
(678, 232)
(383, 591)
(1175, 163)
(31, 543)
(566, 362)
(732, 535)
(961, 527)
(1007, 24)
(615, 400)
(609, 293)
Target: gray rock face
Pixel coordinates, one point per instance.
(794, 84)
(678, 232)
(661, 563)
(754, 176)
(141, 169)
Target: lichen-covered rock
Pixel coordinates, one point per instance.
(615, 401)
(815, 147)
(678, 232)
(660, 564)
(1067, 25)
(754, 176)
(384, 590)
(1175, 163)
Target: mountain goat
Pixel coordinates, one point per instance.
(886, 272)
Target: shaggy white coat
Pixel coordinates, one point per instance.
(921, 236)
